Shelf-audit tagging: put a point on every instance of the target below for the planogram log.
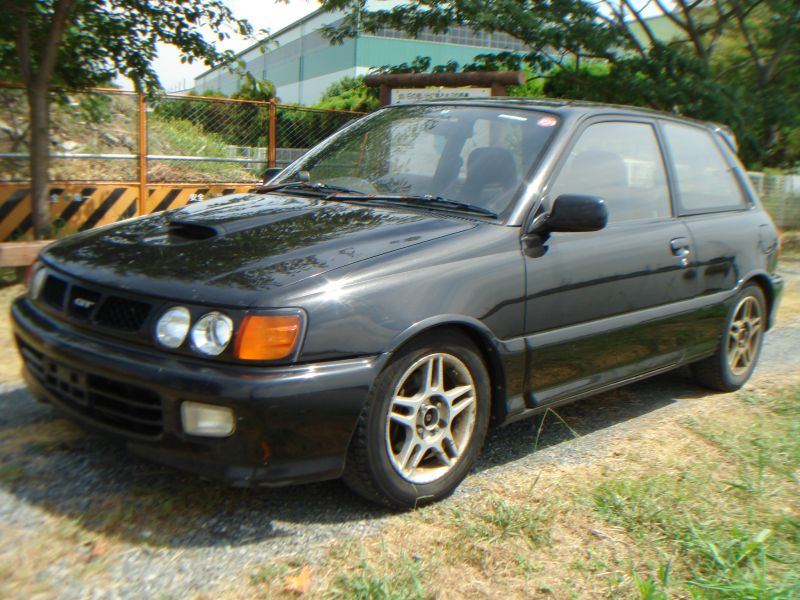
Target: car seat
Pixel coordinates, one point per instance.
(491, 175)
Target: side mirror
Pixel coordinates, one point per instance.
(574, 212)
(270, 174)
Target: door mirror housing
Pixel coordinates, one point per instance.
(270, 174)
(575, 212)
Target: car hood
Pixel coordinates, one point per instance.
(231, 250)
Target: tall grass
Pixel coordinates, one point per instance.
(732, 523)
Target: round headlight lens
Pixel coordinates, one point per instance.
(212, 333)
(37, 282)
(173, 326)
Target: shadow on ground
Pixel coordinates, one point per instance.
(51, 464)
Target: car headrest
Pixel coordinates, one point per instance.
(490, 165)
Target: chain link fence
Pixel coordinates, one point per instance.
(780, 194)
(299, 128)
(112, 135)
(108, 135)
(92, 136)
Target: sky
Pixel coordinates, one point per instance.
(262, 14)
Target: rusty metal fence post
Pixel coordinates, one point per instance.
(272, 141)
(140, 205)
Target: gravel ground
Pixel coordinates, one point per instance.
(174, 535)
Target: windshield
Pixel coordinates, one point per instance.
(468, 154)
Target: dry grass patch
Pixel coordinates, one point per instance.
(789, 308)
(57, 544)
(42, 436)
(703, 504)
(10, 363)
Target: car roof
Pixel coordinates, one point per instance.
(581, 108)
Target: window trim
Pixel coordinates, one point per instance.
(545, 196)
(678, 207)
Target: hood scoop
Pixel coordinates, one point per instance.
(188, 231)
(180, 232)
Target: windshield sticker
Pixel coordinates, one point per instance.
(547, 122)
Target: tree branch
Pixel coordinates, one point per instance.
(47, 64)
(642, 23)
(751, 47)
(691, 29)
(769, 70)
(620, 21)
(23, 47)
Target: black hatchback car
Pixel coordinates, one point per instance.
(428, 271)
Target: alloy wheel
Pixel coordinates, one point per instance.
(431, 418)
(744, 335)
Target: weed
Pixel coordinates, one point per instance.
(404, 583)
(269, 573)
(500, 519)
(11, 472)
(737, 545)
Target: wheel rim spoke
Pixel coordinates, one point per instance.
(744, 336)
(408, 421)
(461, 406)
(431, 418)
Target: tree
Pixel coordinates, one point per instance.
(80, 43)
(728, 60)
(350, 93)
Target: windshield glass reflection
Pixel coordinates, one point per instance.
(475, 155)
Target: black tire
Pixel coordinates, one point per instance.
(372, 469)
(716, 371)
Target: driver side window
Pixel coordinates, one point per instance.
(621, 163)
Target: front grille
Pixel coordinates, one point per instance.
(122, 406)
(89, 305)
(124, 314)
(54, 291)
(82, 302)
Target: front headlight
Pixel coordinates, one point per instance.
(173, 326)
(212, 333)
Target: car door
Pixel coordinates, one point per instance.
(605, 306)
(731, 239)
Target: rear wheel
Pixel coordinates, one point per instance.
(738, 351)
(423, 425)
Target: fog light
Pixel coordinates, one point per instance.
(207, 419)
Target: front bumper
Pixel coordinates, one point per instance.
(293, 423)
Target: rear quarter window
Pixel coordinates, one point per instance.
(705, 180)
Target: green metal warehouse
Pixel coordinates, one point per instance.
(302, 64)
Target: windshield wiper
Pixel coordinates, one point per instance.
(338, 192)
(427, 199)
(319, 188)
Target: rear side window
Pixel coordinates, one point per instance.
(620, 162)
(705, 181)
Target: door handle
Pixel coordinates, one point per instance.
(682, 249)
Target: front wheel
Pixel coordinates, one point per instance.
(424, 423)
(738, 351)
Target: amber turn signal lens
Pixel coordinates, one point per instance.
(267, 337)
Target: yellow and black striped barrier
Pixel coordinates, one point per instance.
(79, 206)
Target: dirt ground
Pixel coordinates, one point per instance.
(81, 517)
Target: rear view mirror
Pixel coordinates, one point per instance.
(270, 174)
(573, 212)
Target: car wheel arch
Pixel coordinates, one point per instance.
(763, 281)
(484, 341)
